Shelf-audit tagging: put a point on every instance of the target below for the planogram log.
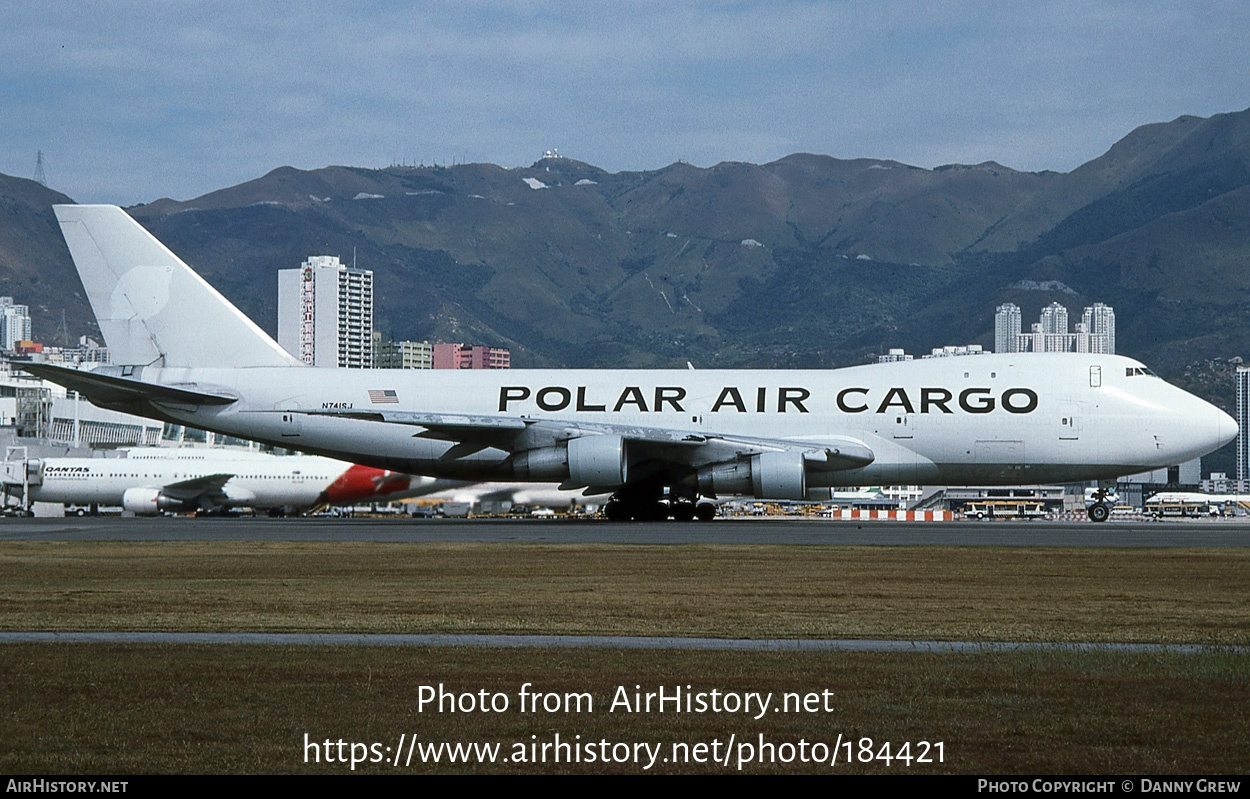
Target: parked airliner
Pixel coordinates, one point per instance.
(1169, 502)
(186, 355)
(153, 480)
(540, 495)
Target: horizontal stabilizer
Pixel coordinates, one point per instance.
(110, 390)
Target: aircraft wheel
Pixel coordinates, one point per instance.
(616, 511)
(705, 511)
(1098, 512)
(652, 512)
(683, 511)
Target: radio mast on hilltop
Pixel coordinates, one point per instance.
(40, 177)
(62, 331)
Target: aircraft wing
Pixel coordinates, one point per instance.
(208, 485)
(501, 431)
(445, 424)
(471, 433)
(207, 492)
(651, 448)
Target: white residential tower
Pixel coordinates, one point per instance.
(325, 313)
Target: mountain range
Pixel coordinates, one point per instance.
(806, 261)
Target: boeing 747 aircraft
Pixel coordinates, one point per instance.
(184, 354)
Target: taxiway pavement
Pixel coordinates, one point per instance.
(807, 532)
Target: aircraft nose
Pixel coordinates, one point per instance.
(1226, 428)
(1198, 427)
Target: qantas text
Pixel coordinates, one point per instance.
(782, 399)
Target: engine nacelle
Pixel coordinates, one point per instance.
(779, 475)
(588, 460)
(598, 461)
(150, 502)
(769, 475)
(547, 464)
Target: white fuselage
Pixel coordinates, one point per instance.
(542, 495)
(258, 480)
(1180, 497)
(989, 419)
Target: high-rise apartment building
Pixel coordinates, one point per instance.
(1054, 319)
(325, 313)
(1243, 420)
(1007, 328)
(1099, 321)
(14, 324)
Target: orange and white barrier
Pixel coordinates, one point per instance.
(895, 515)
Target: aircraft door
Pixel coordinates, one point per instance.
(1069, 421)
(905, 425)
(290, 420)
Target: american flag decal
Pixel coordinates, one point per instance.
(383, 395)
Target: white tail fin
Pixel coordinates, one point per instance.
(152, 307)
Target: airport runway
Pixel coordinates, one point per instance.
(808, 532)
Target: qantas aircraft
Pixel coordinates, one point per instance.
(153, 480)
(186, 355)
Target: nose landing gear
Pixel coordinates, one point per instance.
(1100, 510)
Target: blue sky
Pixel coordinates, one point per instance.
(133, 101)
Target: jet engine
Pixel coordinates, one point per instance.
(588, 461)
(768, 475)
(151, 502)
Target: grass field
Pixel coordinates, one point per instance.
(129, 709)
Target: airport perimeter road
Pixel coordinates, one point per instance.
(1197, 533)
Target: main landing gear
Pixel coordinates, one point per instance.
(653, 504)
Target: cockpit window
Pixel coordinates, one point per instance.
(1134, 371)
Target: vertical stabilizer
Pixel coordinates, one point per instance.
(152, 308)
